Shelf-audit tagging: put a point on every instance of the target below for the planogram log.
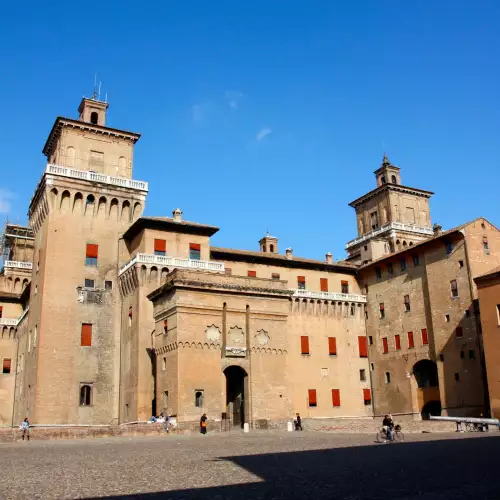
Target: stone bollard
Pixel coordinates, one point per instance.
(289, 426)
(246, 427)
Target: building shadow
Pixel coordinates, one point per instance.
(462, 468)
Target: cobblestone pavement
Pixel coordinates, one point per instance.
(260, 465)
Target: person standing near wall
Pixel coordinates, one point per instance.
(203, 423)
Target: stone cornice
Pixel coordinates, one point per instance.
(390, 187)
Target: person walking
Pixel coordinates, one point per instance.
(203, 423)
(298, 422)
(25, 428)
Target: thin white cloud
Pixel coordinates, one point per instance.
(5, 201)
(262, 133)
(234, 98)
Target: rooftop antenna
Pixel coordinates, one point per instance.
(106, 97)
(99, 93)
(95, 84)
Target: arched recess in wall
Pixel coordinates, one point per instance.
(17, 285)
(65, 197)
(137, 210)
(70, 156)
(394, 180)
(153, 275)
(53, 198)
(101, 208)
(89, 205)
(78, 203)
(113, 210)
(126, 211)
(9, 284)
(122, 166)
(25, 283)
(143, 275)
(164, 273)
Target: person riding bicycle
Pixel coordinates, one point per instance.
(388, 426)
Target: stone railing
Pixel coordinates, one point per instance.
(172, 262)
(18, 264)
(341, 297)
(392, 226)
(14, 321)
(86, 175)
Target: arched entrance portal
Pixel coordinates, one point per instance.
(236, 382)
(426, 376)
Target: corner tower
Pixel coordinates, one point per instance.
(84, 202)
(389, 218)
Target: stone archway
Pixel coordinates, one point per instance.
(236, 394)
(427, 380)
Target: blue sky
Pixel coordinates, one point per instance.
(265, 114)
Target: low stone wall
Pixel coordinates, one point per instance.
(339, 425)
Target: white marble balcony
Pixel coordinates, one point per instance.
(172, 262)
(9, 321)
(17, 264)
(392, 226)
(341, 297)
(86, 175)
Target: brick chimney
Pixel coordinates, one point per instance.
(288, 253)
(177, 215)
(437, 229)
(329, 258)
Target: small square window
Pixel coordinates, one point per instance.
(457, 377)
(387, 377)
(301, 282)
(6, 366)
(164, 364)
(252, 274)
(372, 367)
(454, 288)
(407, 303)
(459, 333)
(472, 354)
(275, 276)
(370, 340)
(108, 285)
(362, 375)
(461, 263)
(89, 283)
(447, 318)
(194, 251)
(91, 254)
(462, 354)
(344, 286)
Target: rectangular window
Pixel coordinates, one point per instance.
(498, 314)
(194, 251)
(448, 247)
(461, 263)
(86, 335)
(370, 340)
(363, 348)
(385, 345)
(344, 287)
(374, 220)
(301, 282)
(447, 318)
(397, 342)
(108, 285)
(387, 377)
(459, 333)
(312, 397)
(403, 265)
(462, 354)
(323, 284)
(6, 366)
(472, 354)
(416, 260)
(367, 397)
(252, 274)
(378, 273)
(1, 311)
(164, 366)
(228, 271)
(332, 346)
(362, 375)
(425, 337)
(335, 397)
(165, 326)
(372, 367)
(454, 288)
(411, 340)
(275, 276)
(160, 247)
(407, 303)
(85, 394)
(89, 283)
(91, 254)
(381, 310)
(457, 377)
(304, 344)
(486, 248)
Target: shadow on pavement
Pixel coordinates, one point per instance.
(444, 469)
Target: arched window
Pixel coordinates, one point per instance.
(382, 179)
(94, 117)
(90, 199)
(394, 180)
(198, 399)
(271, 248)
(85, 395)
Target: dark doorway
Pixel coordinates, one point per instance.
(431, 408)
(426, 374)
(235, 394)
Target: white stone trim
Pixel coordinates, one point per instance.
(342, 297)
(18, 264)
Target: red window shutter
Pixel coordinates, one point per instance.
(86, 340)
(411, 341)
(6, 365)
(385, 345)
(382, 306)
(332, 345)
(301, 279)
(160, 245)
(130, 312)
(323, 284)
(312, 397)
(92, 251)
(194, 246)
(425, 337)
(397, 340)
(1, 311)
(165, 326)
(336, 397)
(363, 348)
(485, 239)
(304, 344)
(367, 395)
(252, 274)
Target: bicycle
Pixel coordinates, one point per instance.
(397, 435)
